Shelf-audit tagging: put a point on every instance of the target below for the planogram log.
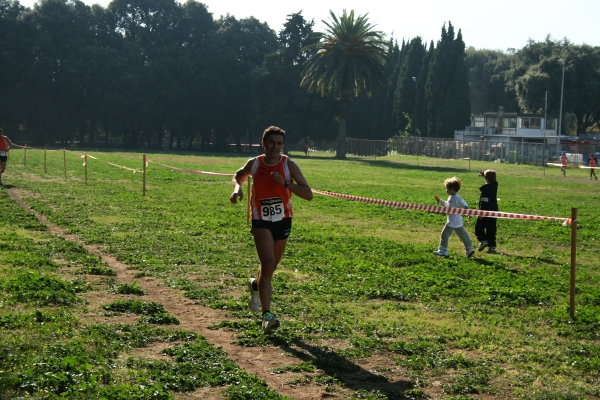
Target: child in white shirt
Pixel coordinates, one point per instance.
(454, 222)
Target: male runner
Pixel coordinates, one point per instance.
(5, 144)
(563, 164)
(275, 177)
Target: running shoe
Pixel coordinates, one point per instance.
(482, 245)
(469, 253)
(254, 300)
(492, 250)
(442, 253)
(270, 323)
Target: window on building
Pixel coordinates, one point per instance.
(531, 122)
(477, 121)
(551, 124)
(510, 122)
(491, 121)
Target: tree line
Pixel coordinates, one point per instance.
(156, 73)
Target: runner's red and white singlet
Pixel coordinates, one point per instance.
(3, 146)
(270, 201)
(592, 162)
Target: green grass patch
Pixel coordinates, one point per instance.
(359, 275)
(128, 288)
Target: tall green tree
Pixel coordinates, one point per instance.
(244, 44)
(447, 112)
(153, 26)
(368, 117)
(422, 119)
(487, 78)
(15, 41)
(388, 122)
(193, 111)
(405, 96)
(277, 96)
(59, 81)
(350, 58)
(537, 68)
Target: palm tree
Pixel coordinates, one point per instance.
(349, 57)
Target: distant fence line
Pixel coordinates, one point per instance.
(484, 150)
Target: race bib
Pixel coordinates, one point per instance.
(272, 209)
(3, 153)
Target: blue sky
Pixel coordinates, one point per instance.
(497, 25)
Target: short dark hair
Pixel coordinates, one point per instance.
(273, 130)
(490, 175)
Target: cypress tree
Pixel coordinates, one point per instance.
(446, 112)
(406, 88)
(422, 118)
(388, 125)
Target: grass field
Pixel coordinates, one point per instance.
(367, 310)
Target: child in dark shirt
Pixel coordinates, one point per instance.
(485, 228)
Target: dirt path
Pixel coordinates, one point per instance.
(258, 361)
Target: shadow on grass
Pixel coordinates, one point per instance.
(398, 165)
(522, 257)
(348, 373)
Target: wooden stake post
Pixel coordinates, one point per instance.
(144, 177)
(573, 260)
(249, 195)
(65, 162)
(85, 164)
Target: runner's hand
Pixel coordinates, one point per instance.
(236, 193)
(276, 176)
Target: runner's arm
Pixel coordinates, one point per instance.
(238, 179)
(300, 186)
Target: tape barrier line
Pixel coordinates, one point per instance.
(570, 166)
(189, 171)
(443, 210)
(113, 164)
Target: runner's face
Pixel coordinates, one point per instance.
(273, 145)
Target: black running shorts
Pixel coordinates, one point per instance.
(280, 229)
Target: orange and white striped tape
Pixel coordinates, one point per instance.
(443, 210)
(189, 171)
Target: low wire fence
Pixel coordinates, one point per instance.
(484, 150)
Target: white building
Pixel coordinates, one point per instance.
(511, 127)
(514, 137)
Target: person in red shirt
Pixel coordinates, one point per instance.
(592, 163)
(276, 177)
(5, 145)
(563, 162)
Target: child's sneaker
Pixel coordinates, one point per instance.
(269, 323)
(482, 245)
(469, 253)
(492, 250)
(442, 253)
(254, 300)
